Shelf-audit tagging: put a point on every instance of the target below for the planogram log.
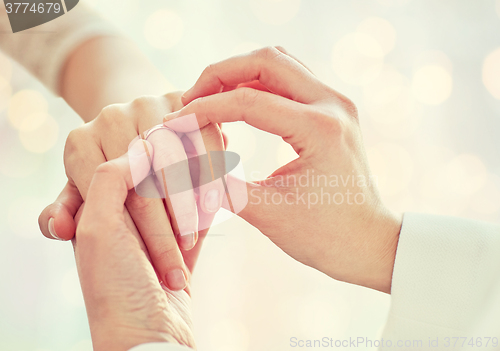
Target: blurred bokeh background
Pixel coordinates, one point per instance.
(425, 76)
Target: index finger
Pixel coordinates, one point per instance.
(277, 71)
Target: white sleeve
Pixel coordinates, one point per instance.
(43, 50)
(160, 346)
(445, 271)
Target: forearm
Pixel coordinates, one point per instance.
(108, 70)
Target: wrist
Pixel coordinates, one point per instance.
(383, 235)
(369, 259)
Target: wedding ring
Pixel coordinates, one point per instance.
(147, 133)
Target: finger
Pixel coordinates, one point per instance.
(265, 111)
(254, 85)
(226, 140)
(209, 144)
(57, 220)
(277, 71)
(224, 136)
(80, 166)
(283, 50)
(172, 170)
(156, 231)
(113, 179)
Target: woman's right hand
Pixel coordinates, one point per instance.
(323, 208)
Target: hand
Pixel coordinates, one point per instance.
(323, 208)
(125, 303)
(107, 137)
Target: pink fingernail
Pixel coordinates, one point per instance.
(188, 241)
(52, 229)
(212, 200)
(187, 92)
(170, 117)
(176, 280)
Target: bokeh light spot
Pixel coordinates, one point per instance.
(491, 73)
(163, 29)
(41, 138)
(23, 105)
(275, 12)
(392, 167)
(432, 84)
(386, 88)
(447, 187)
(380, 29)
(5, 67)
(390, 104)
(357, 58)
(466, 174)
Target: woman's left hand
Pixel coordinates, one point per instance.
(171, 241)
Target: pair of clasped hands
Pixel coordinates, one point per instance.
(135, 259)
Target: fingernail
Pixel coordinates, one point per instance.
(188, 241)
(186, 93)
(212, 200)
(170, 117)
(52, 229)
(176, 280)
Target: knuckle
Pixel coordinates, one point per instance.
(209, 70)
(268, 53)
(108, 168)
(87, 230)
(110, 115)
(74, 138)
(138, 203)
(327, 122)
(168, 252)
(174, 99)
(76, 144)
(144, 102)
(247, 97)
(201, 106)
(212, 132)
(349, 107)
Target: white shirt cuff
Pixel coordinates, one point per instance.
(444, 270)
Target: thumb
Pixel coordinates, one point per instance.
(57, 220)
